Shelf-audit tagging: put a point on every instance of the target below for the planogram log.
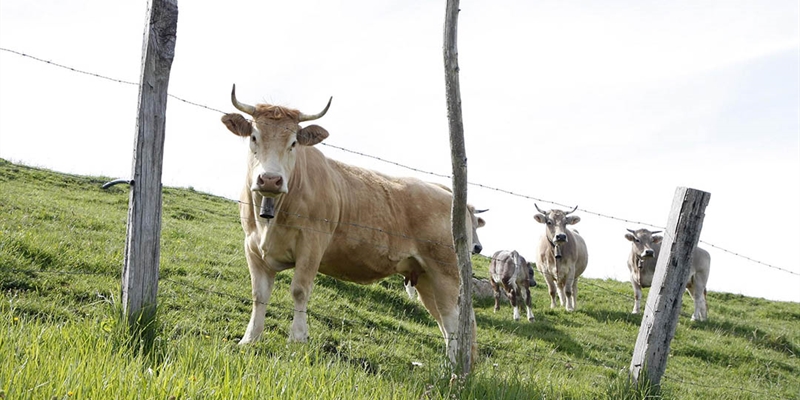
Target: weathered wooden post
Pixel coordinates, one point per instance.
(142, 248)
(672, 273)
(466, 318)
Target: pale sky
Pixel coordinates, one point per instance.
(606, 105)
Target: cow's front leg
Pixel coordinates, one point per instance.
(528, 303)
(637, 297)
(302, 283)
(551, 287)
(569, 292)
(262, 280)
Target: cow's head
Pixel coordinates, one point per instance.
(642, 242)
(476, 222)
(274, 135)
(556, 222)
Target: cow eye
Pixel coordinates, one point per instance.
(294, 144)
(253, 138)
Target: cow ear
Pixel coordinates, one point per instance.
(630, 237)
(311, 135)
(573, 219)
(540, 218)
(481, 222)
(237, 124)
(657, 238)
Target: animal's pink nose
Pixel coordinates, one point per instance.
(268, 182)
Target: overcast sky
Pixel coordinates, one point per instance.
(606, 105)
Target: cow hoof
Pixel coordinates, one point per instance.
(531, 319)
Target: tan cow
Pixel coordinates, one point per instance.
(344, 221)
(510, 271)
(562, 255)
(645, 247)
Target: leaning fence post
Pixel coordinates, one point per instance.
(142, 247)
(458, 158)
(672, 273)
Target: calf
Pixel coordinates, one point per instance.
(509, 270)
(645, 247)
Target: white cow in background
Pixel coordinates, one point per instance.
(645, 247)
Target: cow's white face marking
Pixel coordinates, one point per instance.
(273, 145)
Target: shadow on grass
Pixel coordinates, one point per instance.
(754, 335)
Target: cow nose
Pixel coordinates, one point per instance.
(561, 237)
(476, 249)
(267, 182)
(648, 253)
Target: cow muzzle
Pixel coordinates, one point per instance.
(267, 182)
(477, 248)
(647, 253)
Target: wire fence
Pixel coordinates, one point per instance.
(356, 225)
(401, 165)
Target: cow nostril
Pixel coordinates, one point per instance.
(477, 249)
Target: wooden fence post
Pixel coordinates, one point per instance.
(458, 158)
(672, 273)
(142, 247)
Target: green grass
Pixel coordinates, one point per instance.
(61, 245)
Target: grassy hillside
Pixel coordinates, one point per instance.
(61, 244)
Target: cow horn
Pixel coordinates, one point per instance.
(245, 108)
(631, 231)
(654, 232)
(570, 212)
(481, 211)
(539, 209)
(304, 117)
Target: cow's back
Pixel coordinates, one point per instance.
(384, 220)
(501, 266)
(699, 269)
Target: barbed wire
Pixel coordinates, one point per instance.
(96, 75)
(611, 217)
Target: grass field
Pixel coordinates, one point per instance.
(61, 244)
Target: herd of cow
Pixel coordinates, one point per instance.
(302, 210)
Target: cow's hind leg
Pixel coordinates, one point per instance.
(698, 293)
(262, 281)
(496, 291)
(513, 296)
(439, 294)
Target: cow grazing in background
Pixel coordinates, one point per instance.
(645, 248)
(476, 248)
(562, 255)
(350, 223)
(511, 272)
